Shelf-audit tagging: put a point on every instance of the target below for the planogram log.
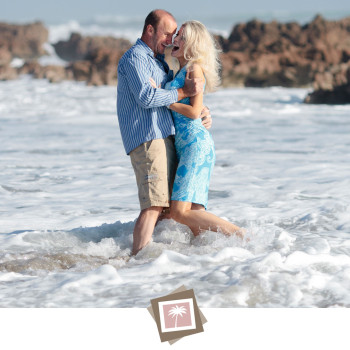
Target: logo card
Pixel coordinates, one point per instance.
(177, 315)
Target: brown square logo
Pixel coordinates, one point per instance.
(177, 315)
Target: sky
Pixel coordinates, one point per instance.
(58, 11)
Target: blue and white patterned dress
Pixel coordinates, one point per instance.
(195, 152)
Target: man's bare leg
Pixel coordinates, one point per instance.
(144, 228)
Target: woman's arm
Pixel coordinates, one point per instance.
(195, 108)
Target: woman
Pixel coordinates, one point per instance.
(195, 50)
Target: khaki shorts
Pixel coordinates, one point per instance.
(154, 164)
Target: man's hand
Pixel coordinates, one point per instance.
(206, 117)
(153, 83)
(193, 86)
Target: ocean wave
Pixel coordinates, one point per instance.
(69, 204)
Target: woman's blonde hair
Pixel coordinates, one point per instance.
(200, 47)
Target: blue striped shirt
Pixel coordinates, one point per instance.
(141, 109)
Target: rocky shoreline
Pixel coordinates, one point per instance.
(256, 54)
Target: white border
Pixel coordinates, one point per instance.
(178, 301)
(109, 328)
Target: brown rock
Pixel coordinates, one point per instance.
(105, 64)
(285, 54)
(23, 41)
(338, 95)
(235, 68)
(54, 74)
(30, 67)
(8, 73)
(100, 68)
(5, 56)
(94, 59)
(80, 70)
(332, 87)
(79, 47)
(255, 54)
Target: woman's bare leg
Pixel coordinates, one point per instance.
(197, 207)
(198, 220)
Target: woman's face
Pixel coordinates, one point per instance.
(178, 42)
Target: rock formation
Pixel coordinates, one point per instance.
(78, 47)
(90, 59)
(331, 87)
(255, 54)
(20, 41)
(285, 54)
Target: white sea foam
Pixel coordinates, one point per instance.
(68, 204)
(130, 30)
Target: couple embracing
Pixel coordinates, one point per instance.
(164, 125)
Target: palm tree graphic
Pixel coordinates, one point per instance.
(176, 311)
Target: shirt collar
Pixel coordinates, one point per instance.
(148, 50)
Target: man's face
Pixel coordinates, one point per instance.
(163, 36)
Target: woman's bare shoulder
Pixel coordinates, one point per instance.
(196, 71)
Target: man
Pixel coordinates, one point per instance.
(146, 125)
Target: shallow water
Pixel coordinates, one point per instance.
(68, 203)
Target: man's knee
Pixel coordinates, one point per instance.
(151, 212)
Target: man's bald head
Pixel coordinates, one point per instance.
(154, 17)
(160, 27)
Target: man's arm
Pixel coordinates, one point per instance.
(206, 118)
(195, 82)
(205, 112)
(194, 108)
(138, 74)
(193, 86)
